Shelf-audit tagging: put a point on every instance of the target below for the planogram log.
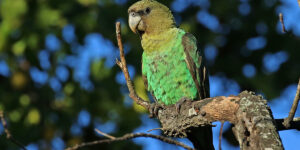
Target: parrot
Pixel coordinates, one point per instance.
(173, 67)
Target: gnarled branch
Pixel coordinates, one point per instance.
(254, 125)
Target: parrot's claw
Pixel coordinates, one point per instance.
(153, 109)
(180, 102)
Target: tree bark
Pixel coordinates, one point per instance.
(254, 125)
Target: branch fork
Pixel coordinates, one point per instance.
(254, 125)
(248, 112)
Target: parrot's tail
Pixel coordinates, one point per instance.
(201, 138)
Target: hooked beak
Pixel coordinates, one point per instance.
(134, 20)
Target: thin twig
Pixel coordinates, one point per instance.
(297, 120)
(294, 124)
(3, 121)
(122, 64)
(8, 134)
(282, 22)
(131, 136)
(220, 136)
(154, 129)
(287, 120)
(104, 134)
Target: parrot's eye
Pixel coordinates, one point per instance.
(133, 14)
(148, 10)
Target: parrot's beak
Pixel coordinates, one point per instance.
(134, 20)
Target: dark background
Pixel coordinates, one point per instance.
(59, 80)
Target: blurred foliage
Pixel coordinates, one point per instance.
(44, 91)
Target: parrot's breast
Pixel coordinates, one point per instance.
(164, 65)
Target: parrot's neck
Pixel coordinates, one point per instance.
(159, 41)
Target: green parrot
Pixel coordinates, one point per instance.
(172, 66)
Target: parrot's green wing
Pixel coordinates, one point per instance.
(196, 65)
(146, 84)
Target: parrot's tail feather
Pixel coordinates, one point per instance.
(201, 138)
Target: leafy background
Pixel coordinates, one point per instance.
(59, 80)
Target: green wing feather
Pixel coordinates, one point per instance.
(173, 67)
(144, 77)
(195, 64)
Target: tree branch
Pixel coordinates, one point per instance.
(253, 120)
(287, 120)
(220, 136)
(131, 136)
(294, 124)
(254, 127)
(7, 132)
(122, 64)
(282, 22)
(284, 30)
(104, 134)
(254, 124)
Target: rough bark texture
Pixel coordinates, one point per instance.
(197, 113)
(255, 127)
(254, 124)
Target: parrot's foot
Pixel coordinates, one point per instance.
(154, 108)
(180, 102)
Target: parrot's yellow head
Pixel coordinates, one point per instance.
(149, 17)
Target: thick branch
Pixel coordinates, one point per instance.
(255, 128)
(287, 120)
(197, 113)
(131, 136)
(253, 120)
(254, 124)
(122, 64)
